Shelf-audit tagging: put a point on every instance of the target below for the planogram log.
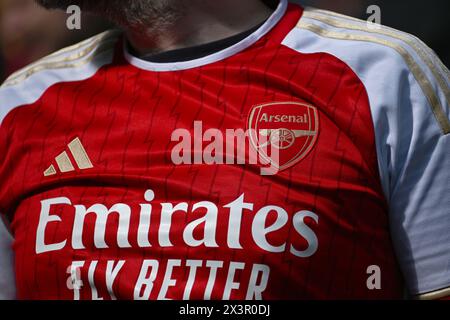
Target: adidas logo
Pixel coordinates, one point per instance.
(65, 164)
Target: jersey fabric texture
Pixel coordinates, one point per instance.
(360, 209)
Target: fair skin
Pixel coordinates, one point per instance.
(204, 21)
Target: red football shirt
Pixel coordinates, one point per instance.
(100, 210)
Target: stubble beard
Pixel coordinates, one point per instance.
(153, 14)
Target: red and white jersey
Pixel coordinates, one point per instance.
(359, 208)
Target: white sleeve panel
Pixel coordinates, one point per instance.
(408, 90)
(75, 63)
(7, 277)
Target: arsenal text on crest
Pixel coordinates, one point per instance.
(283, 118)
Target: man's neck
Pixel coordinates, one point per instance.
(202, 21)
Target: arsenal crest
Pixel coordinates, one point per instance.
(289, 128)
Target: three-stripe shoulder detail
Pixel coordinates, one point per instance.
(70, 57)
(75, 63)
(340, 27)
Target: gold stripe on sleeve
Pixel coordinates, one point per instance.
(66, 63)
(433, 295)
(420, 76)
(418, 46)
(48, 62)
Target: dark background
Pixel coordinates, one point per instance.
(28, 32)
